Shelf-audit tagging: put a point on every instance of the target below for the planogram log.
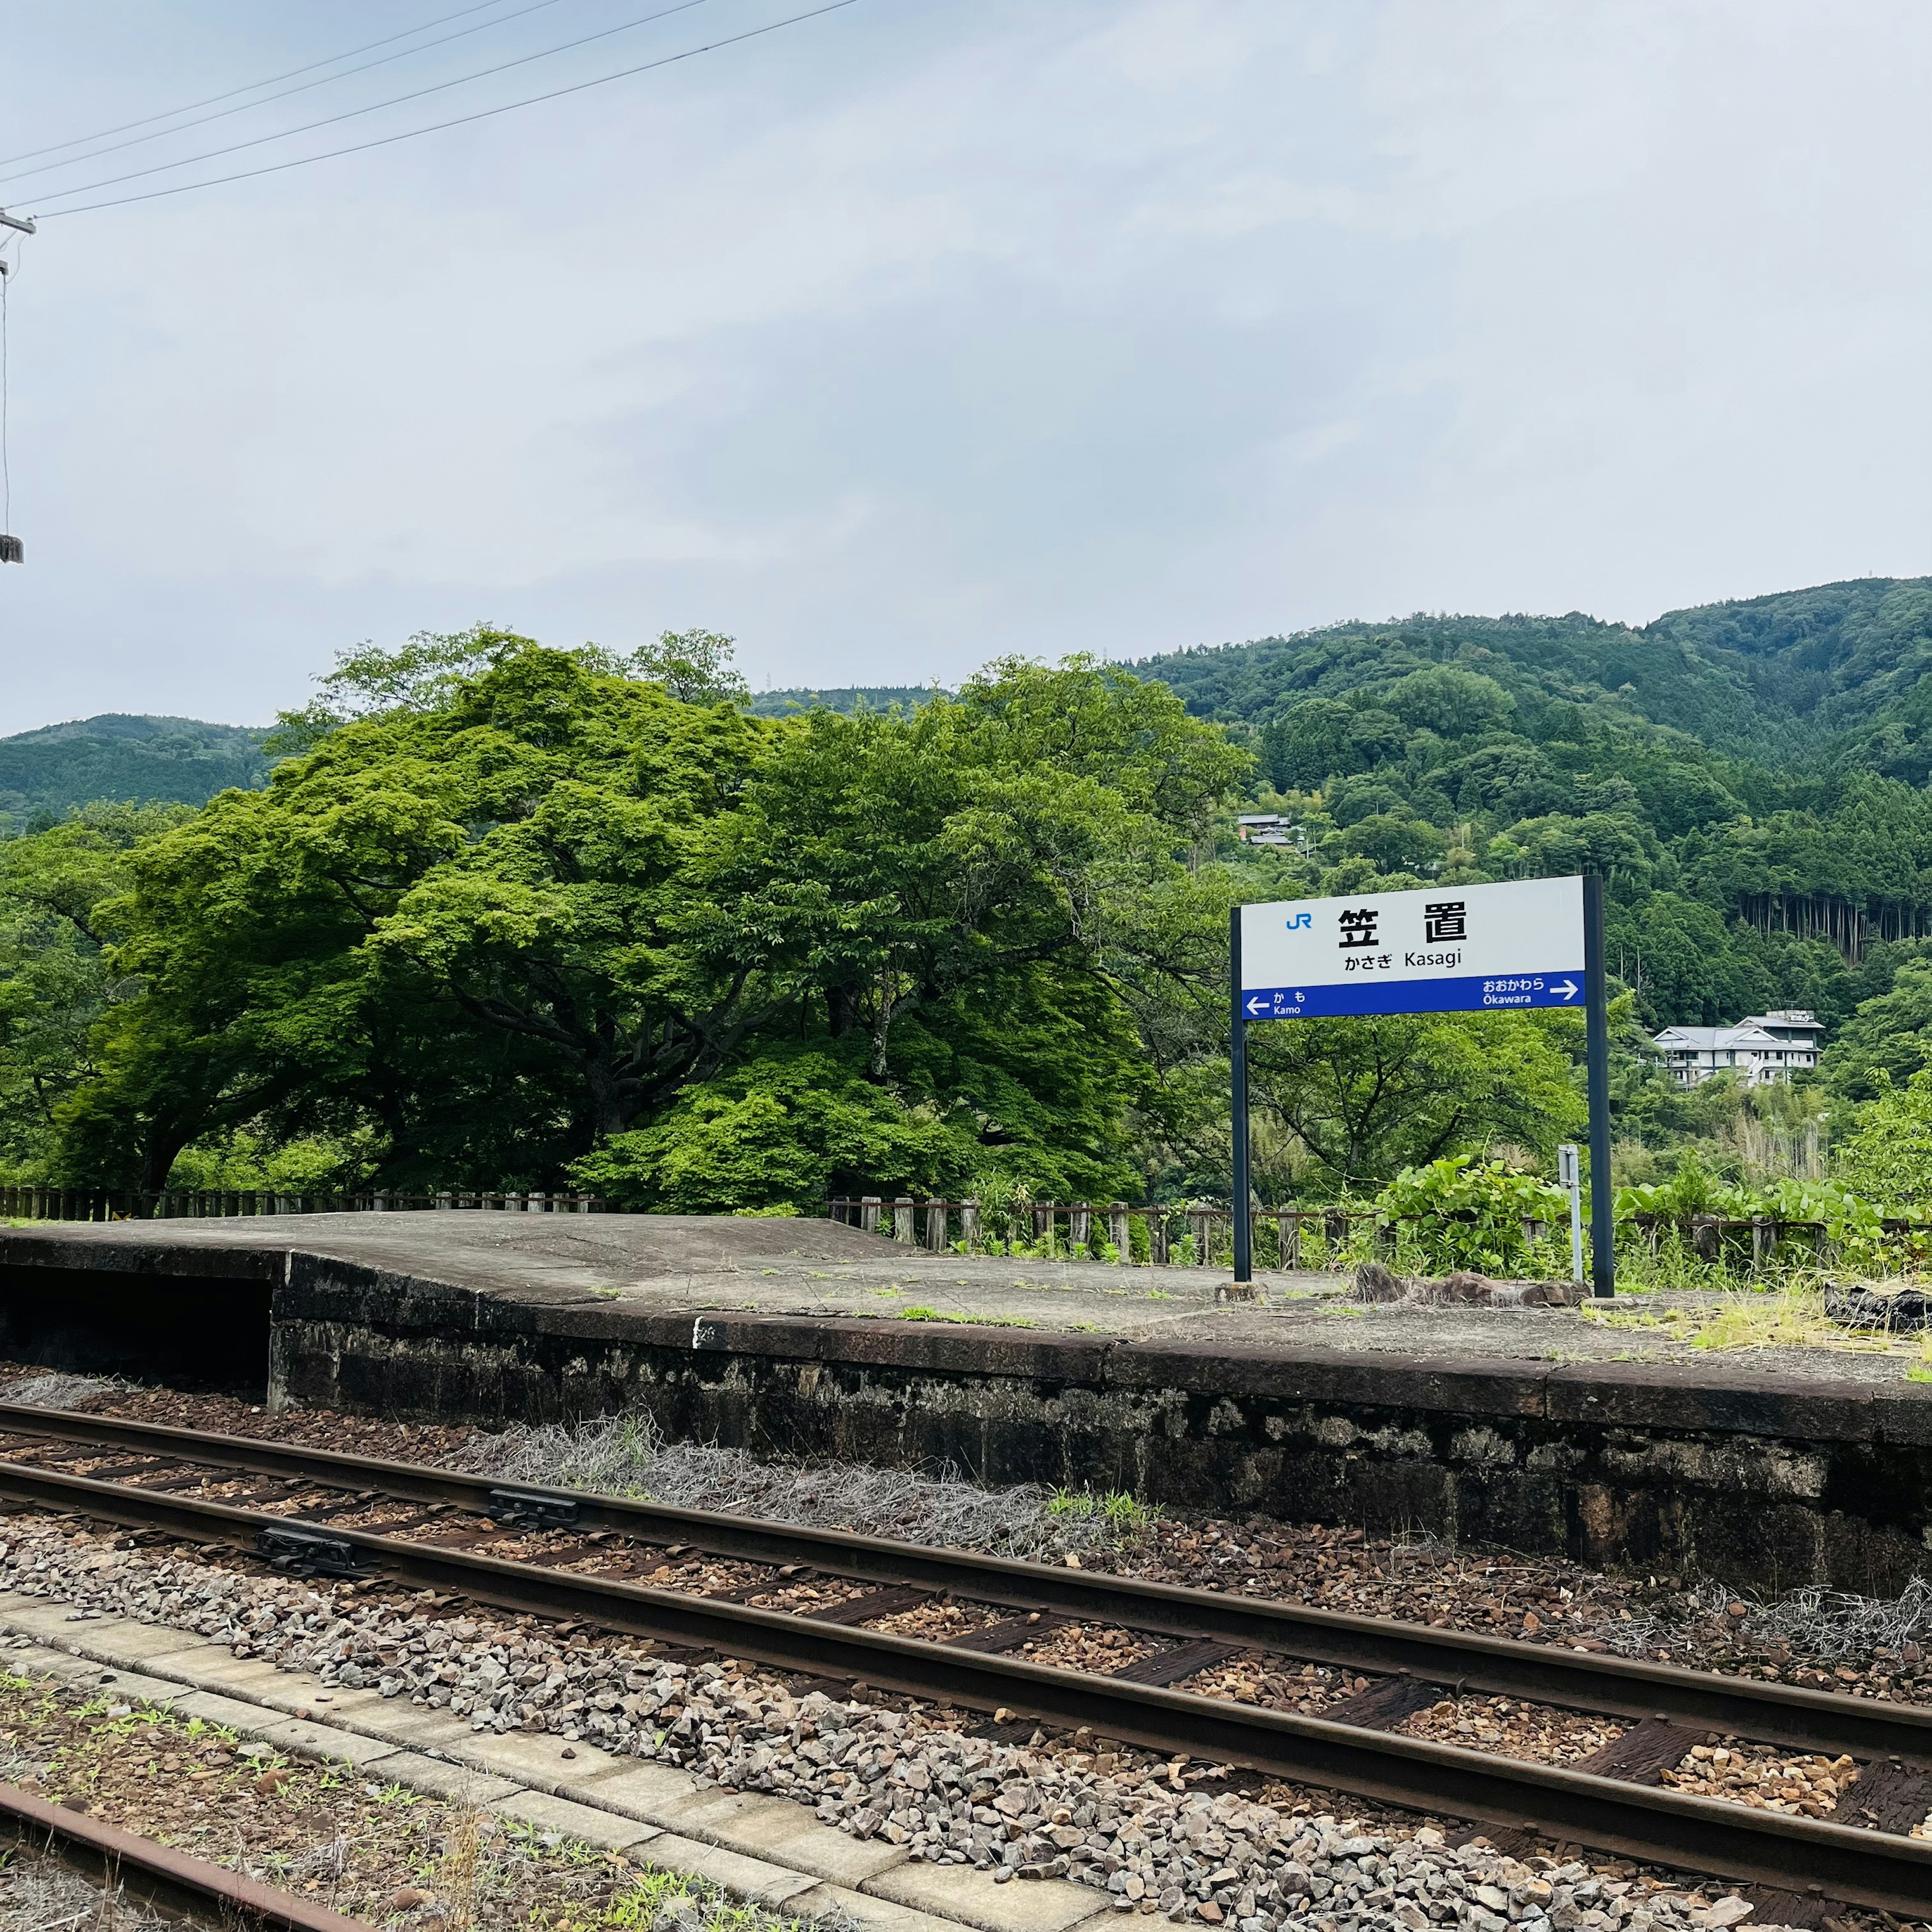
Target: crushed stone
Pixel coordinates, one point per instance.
(912, 1777)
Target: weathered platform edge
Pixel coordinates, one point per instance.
(1756, 1479)
(315, 1288)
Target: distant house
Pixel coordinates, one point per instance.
(1267, 828)
(1766, 1046)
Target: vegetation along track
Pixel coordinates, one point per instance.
(185, 1889)
(429, 1527)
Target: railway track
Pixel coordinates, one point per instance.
(525, 1549)
(191, 1889)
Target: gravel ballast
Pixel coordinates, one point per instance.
(1126, 1825)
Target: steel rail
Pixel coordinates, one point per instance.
(154, 1872)
(1778, 1713)
(1656, 1823)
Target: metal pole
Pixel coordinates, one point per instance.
(1596, 1038)
(1570, 1174)
(1238, 1059)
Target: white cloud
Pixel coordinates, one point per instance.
(917, 333)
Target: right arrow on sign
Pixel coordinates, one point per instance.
(1567, 988)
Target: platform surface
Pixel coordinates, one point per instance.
(663, 1265)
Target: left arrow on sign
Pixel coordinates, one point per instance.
(1256, 1004)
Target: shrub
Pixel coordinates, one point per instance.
(1473, 1212)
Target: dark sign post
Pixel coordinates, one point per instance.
(1596, 1044)
(1443, 949)
(1237, 1057)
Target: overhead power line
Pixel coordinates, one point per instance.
(375, 106)
(148, 120)
(460, 120)
(248, 106)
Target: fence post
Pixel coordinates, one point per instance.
(1287, 1235)
(445, 1199)
(1764, 1239)
(935, 1226)
(1197, 1226)
(868, 1213)
(1157, 1248)
(902, 1229)
(1120, 1232)
(1080, 1228)
(969, 1224)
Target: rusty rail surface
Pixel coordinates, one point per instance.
(1859, 1866)
(167, 1878)
(1777, 1713)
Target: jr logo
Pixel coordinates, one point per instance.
(1300, 919)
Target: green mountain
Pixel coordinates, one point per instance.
(1775, 679)
(44, 774)
(1750, 777)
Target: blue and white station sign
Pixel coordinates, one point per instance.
(1444, 949)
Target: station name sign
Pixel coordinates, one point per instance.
(1444, 949)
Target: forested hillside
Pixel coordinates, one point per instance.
(45, 774)
(1774, 679)
(511, 916)
(1749, 777)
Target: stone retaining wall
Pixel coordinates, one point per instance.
(1751, 1479)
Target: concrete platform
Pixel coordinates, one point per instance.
(1538, 1428)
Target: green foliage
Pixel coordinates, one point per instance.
(786, 1131)
(1473, 1211)
(1753, 859)
(694, 666)
(48, 774)
(1886, 1041)
(1887, 1156)
(57, 987)
(1128, 1520)
(848, 698)
(1367, 1098)
(516, 907)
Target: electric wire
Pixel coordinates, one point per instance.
(460, 120)
(248, 106)
(375, 106)
(147, 120)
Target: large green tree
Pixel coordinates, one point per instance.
(56, 985)
(529, 902)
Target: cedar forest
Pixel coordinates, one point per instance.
(505, 916)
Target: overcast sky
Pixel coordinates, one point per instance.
(931, 329)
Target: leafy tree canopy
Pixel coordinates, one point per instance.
(517, 908)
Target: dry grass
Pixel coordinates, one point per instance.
(1832, 1626)
(1790, 1315)
(55, 1390)
(627, 1456)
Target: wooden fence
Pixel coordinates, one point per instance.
(72, 1204)
(1194, 1233)
(1197, 1232)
